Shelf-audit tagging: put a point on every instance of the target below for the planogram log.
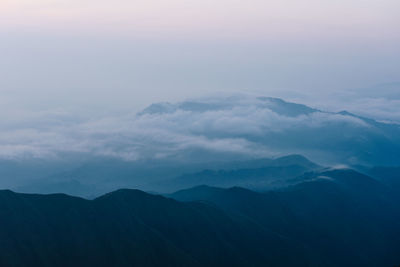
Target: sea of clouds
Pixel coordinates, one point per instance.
(236, 124)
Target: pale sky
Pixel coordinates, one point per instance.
(73, 73)
(208, 18)
(131, 53)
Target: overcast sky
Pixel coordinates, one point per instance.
(124, 53)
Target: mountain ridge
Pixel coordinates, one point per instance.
(330, 217)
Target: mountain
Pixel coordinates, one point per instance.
(344, 217)
(328, 217)
(96, 177)
(133, 228)
(217, 141)
(389, 176)
(257, 175)
(277, 105)
(265, 124)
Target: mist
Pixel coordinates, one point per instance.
(77, 81)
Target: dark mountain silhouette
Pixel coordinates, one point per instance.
(133, 228)
(330, 217)
(327, 217)
(344, 217)
(389, 176)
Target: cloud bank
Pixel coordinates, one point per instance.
(242, 126)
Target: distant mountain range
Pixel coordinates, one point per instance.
(103, 175)
(333, 217)
(222, 141)
(280, 126)
(259, 175)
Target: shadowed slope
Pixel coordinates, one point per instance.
(344, 217)
(132, 228)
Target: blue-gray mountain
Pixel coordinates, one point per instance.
(103, 175)
(273, 125)
(172, 146)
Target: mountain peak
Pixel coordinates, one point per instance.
(276, 105)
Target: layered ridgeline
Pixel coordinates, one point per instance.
(224, 141)
(103, 175)
(334, 217)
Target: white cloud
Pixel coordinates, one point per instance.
(237, 126)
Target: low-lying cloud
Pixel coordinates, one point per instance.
(242, 125)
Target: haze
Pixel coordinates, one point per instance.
(108, 55)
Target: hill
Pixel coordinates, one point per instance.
(344, 217)
(132, 228)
